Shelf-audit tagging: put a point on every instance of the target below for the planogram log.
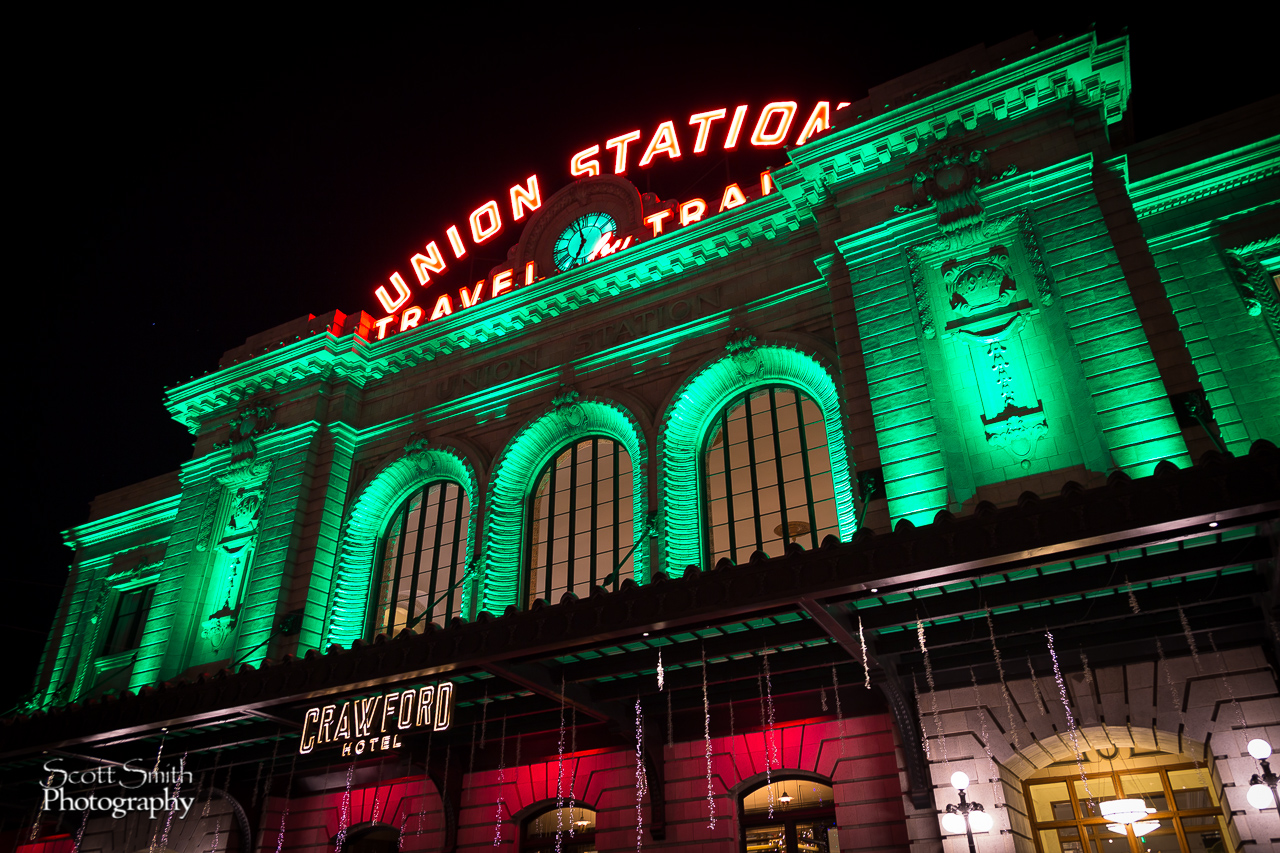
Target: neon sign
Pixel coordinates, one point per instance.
(375, 723)
(772, 129)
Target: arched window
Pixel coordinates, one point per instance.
(804, 818)
(540, 831)
(768, 475)
(424, 558)
(580, 521)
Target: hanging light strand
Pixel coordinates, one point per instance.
(573, 770)
(560, 772)
(642, 782)
(1004, 685)
(502, 779)
(662, 679)
(345, 815)
(1035, 688)
(768, 778)
(835, 691)
(992, 770)
(177, 791)
(1071, 721)
(866, 670)
(706, 739)
(1226, 682)
(1191, 638)
(933, 693)
(284, 813)
(924, 735)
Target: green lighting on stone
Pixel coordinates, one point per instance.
(513, 478)
(372, 511)
(698, 403)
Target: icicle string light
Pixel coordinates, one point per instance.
(642, 782)
(484, 716)
(1226, 682)
(1071, 721)
(1191, 638)
(1088, 673)
(768, 696)
(1168, 678)
(768, 771)
(84, 821)
(933, 693)
(1133, 600)
(1035, 688)
(1004, 686)
(993, 774)
(661, 672)
(822, 695)
(502, 779)
(706, 739)
(560, 772)
(177, 791)
(573, 771)
(835, 691)
(217, 824)
(866, 670)
(344, 819)
(924, 735)
(284, 813)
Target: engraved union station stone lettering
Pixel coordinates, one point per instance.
(487, 375)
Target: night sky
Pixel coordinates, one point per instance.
(183, 184)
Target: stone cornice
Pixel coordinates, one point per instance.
(122, 523)
(1207, 178)
(1093, 75)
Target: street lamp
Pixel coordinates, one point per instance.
(967, 817)
(1262, 787)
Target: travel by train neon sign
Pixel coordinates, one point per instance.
(706, 131)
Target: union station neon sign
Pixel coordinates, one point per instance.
(710, 130)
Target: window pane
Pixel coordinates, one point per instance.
(1191, 789)
(1146, 786)
(817, 836)
(766, 838)
(1210, 841)
(1068, 841)
(778, 488)
(581, 521)
(424, 558)
(1051, 802)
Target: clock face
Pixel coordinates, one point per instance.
(576, 242)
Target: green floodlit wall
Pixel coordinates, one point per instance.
(696, 405)
(513, 478)
(1122, 391)
(370, 514)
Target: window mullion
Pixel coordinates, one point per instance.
(802, 427)
(777, 464)
(433, 586)
(728, 483)
(751, 466)
(573, 516)
(398, 574)
(551, 530)
(595, 505)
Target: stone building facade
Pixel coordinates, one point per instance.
(996, 392)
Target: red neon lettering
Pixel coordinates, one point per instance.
(526, 196)
(455, 241)
(431, 262)
(692, 210)
(733, 196)
(580, 167)
(402, 294)
(621, 142)
(606, 245)
(654, 221)
(382, 326)
(502, 282)
(410, 318)
(528, 273)
(766, 182)
(495, 221)
(472, 297)
(819, 120)
(735, 128)
(703, 121)
(842, 105)
(761, 138)
(664, 141)
(444, 307)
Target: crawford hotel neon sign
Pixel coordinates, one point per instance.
(710, 130)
